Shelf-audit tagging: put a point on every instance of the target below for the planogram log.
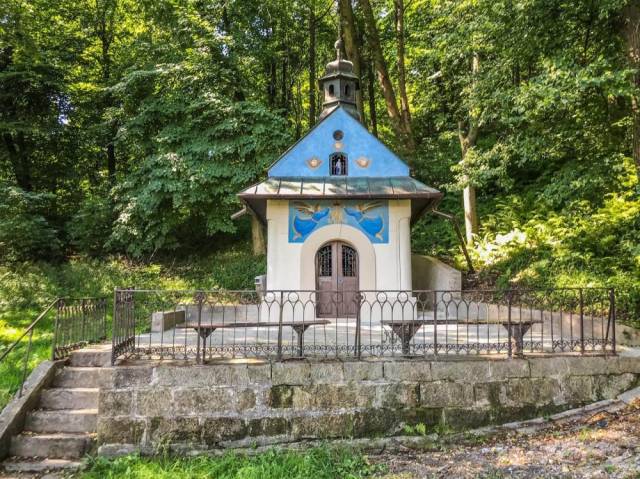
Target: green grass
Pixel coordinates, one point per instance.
(318, 463)
(27, 288)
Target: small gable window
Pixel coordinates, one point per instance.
(338, 164)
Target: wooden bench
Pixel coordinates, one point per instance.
(205, 330)
(406, 329)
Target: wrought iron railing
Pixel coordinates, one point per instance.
(64, 325)
(205, 325)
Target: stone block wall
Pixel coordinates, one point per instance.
(189, 407)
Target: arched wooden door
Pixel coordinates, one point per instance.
(336, 280)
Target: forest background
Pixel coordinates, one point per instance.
(127, 127)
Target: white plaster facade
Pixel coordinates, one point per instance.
(291, 266)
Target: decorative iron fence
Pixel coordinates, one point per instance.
(205, 325)
(64, 325)
(78, 322)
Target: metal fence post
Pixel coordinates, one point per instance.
(55, 333)
(435, 323)
(114, 325)
(612, 305)
(199, 296)
(83, 329)
(358, 338)
(26, 363)
(280, 327)
(509, 329)
(581, 322)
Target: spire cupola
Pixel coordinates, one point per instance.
(339, 85)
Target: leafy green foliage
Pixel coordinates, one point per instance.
(197, 161)
(126, 128)
(24, 230)
(321, 463)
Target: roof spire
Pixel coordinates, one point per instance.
(339, 83)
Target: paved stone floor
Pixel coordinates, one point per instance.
(341, 332)
(603, 445)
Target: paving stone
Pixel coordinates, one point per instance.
(73, 377)
(547, 367)
(509, 368)
(407, 371)
(579, 389)
(327, 372)
(164, 430)
(215, 430)
(446, 394)
(608, 387)
(123, 430)
(114, 402)
(259, 373)
(69, 398)
(202, 376)
(291, 372)
(398, 395)
(96, 358)
(58, 445)
(77, 420)
(41, 465)
(492, 394)
(460, 370)
(220, 399)
(268, 426)
(129, 377)
(363, 370)
(323, 426)
(629, 364)
(535, 391)
(155, 401)
(592, 365)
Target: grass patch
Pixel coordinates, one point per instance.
(318, 463)
(27, 288)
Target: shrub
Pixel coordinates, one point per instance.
(25, 233)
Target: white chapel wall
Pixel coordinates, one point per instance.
(291, 266)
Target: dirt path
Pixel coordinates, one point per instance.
(604, 445)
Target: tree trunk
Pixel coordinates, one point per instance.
(105, 32)
(272, 87)
(350, 34)
(382, 72)
(468, 141)
(402, 81)
(631, 31)
(20, 161)
(257, 237)
(371, 94)
(312, 66)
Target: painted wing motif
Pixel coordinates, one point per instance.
(369, 206)
(305, 208)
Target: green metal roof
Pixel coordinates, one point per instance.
(423, 198)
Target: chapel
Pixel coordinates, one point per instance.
(339, 205)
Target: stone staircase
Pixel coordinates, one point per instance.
(58, 435)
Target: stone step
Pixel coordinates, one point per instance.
(69, 398)
(76, 420)
(59, 446)
(94, 357)
(39, 466)
(80, 377)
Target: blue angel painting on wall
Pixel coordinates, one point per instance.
(370, 217)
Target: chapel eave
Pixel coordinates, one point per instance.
(423, 198)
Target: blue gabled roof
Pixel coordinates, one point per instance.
(357, 143)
